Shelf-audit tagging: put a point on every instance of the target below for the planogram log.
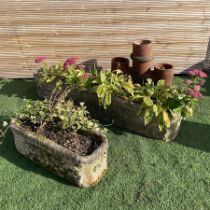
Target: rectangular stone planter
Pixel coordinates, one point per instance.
(124, 114)
(84, 171)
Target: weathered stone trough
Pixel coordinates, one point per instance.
(122, 113)
(84, 171)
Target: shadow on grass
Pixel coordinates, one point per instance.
(19, 88)
(194, 135)
(9, 152)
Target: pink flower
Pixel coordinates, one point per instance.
(40, 59)
(198, 73)
(202, 82)
(81, 66)
(85, 76)
(194, 93)
(197, 87)
(188, 81)
(70, 61)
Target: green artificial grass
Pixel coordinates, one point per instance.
(143, 173)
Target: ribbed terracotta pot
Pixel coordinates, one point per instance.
(121, 63)
(142, 57)
(142, 47)
(163, 71)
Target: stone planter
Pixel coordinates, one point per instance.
(84, 171)
(124, 114)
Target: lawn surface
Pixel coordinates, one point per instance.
(143, 173)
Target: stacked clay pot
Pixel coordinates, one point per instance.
(142, 60)
(121, 63)
(163, 71)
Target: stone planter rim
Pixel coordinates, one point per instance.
(47, 142)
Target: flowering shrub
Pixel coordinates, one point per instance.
(61, 71)
(40, 59)
(194, 85)
(70, 61)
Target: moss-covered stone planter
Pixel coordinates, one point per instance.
(84, 171)
(122, 113)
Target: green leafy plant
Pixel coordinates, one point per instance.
(64, 115)
(161, 101)
(107, 84)
(57, 113)
(158, 101)
(68, 72)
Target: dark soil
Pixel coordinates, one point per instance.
(79, 144)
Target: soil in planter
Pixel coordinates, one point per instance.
(77, 143)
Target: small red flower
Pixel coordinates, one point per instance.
(70, 61)
(197, 87)
(85, 76)
(188, 81)
(202, 82)
(194, 93)
(198, 73)
(81, 66)
(40, 59)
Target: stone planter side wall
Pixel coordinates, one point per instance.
(125, 115)
(82, 171)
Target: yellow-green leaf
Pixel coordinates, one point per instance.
(50, 79)
(128, 87)
(148, 115)
(155, 109)
(148, 101)
(161, 82)
(102, 77)
(166, 119)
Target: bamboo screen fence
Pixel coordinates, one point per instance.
(100, 29)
